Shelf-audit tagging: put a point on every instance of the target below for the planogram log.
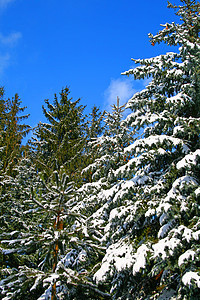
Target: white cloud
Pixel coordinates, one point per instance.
(7, 41)
(11, 39)
(4, 3)
(4, 62)
(122, 88)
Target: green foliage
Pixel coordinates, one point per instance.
(60, 142)
(94, 129)
(12, 131)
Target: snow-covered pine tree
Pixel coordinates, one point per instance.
(157, 257)
(16, 212)
(12, 132)
(109, 147)
(97, 197)
(47, 253)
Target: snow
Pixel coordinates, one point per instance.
(163, 218)
(188, 160)
(117, 212)
(196, 235)
(68, 259)
(150, 212)
(119, 255)
(187, 234)
(178, 129)
(37, 282)
(190, 277)
(124, 187)
(56, 234)
(164, 229)
(52, 278)
(46, 295)
(89, 186)
(182, 181)
(197, 191)
(161, 151)
(140, 258)
(31, 210)
(164, 205)
(189, 254)
(175, 194)
(7, 252)
(10, 242)
(140, 180)
(184, 206)
(157, 140)
(166, 243)
(126, 167)
(174, 72)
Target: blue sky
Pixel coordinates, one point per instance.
(46, 45)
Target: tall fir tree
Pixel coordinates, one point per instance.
(154, 252)
(60, 142)
(12, 131)
(12, 151)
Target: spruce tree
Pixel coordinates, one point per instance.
(60, 141)
(12, 131)
(94, 129)
(97, 197)
(51, 255)
(2, 125)
(155, 251)
(109, 147)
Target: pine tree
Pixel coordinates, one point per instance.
(94, 129)
(109, 147)
(53, 251)
(60, 142)
(12, 131)
(2, 124)
(154, 250)
(97, 197)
